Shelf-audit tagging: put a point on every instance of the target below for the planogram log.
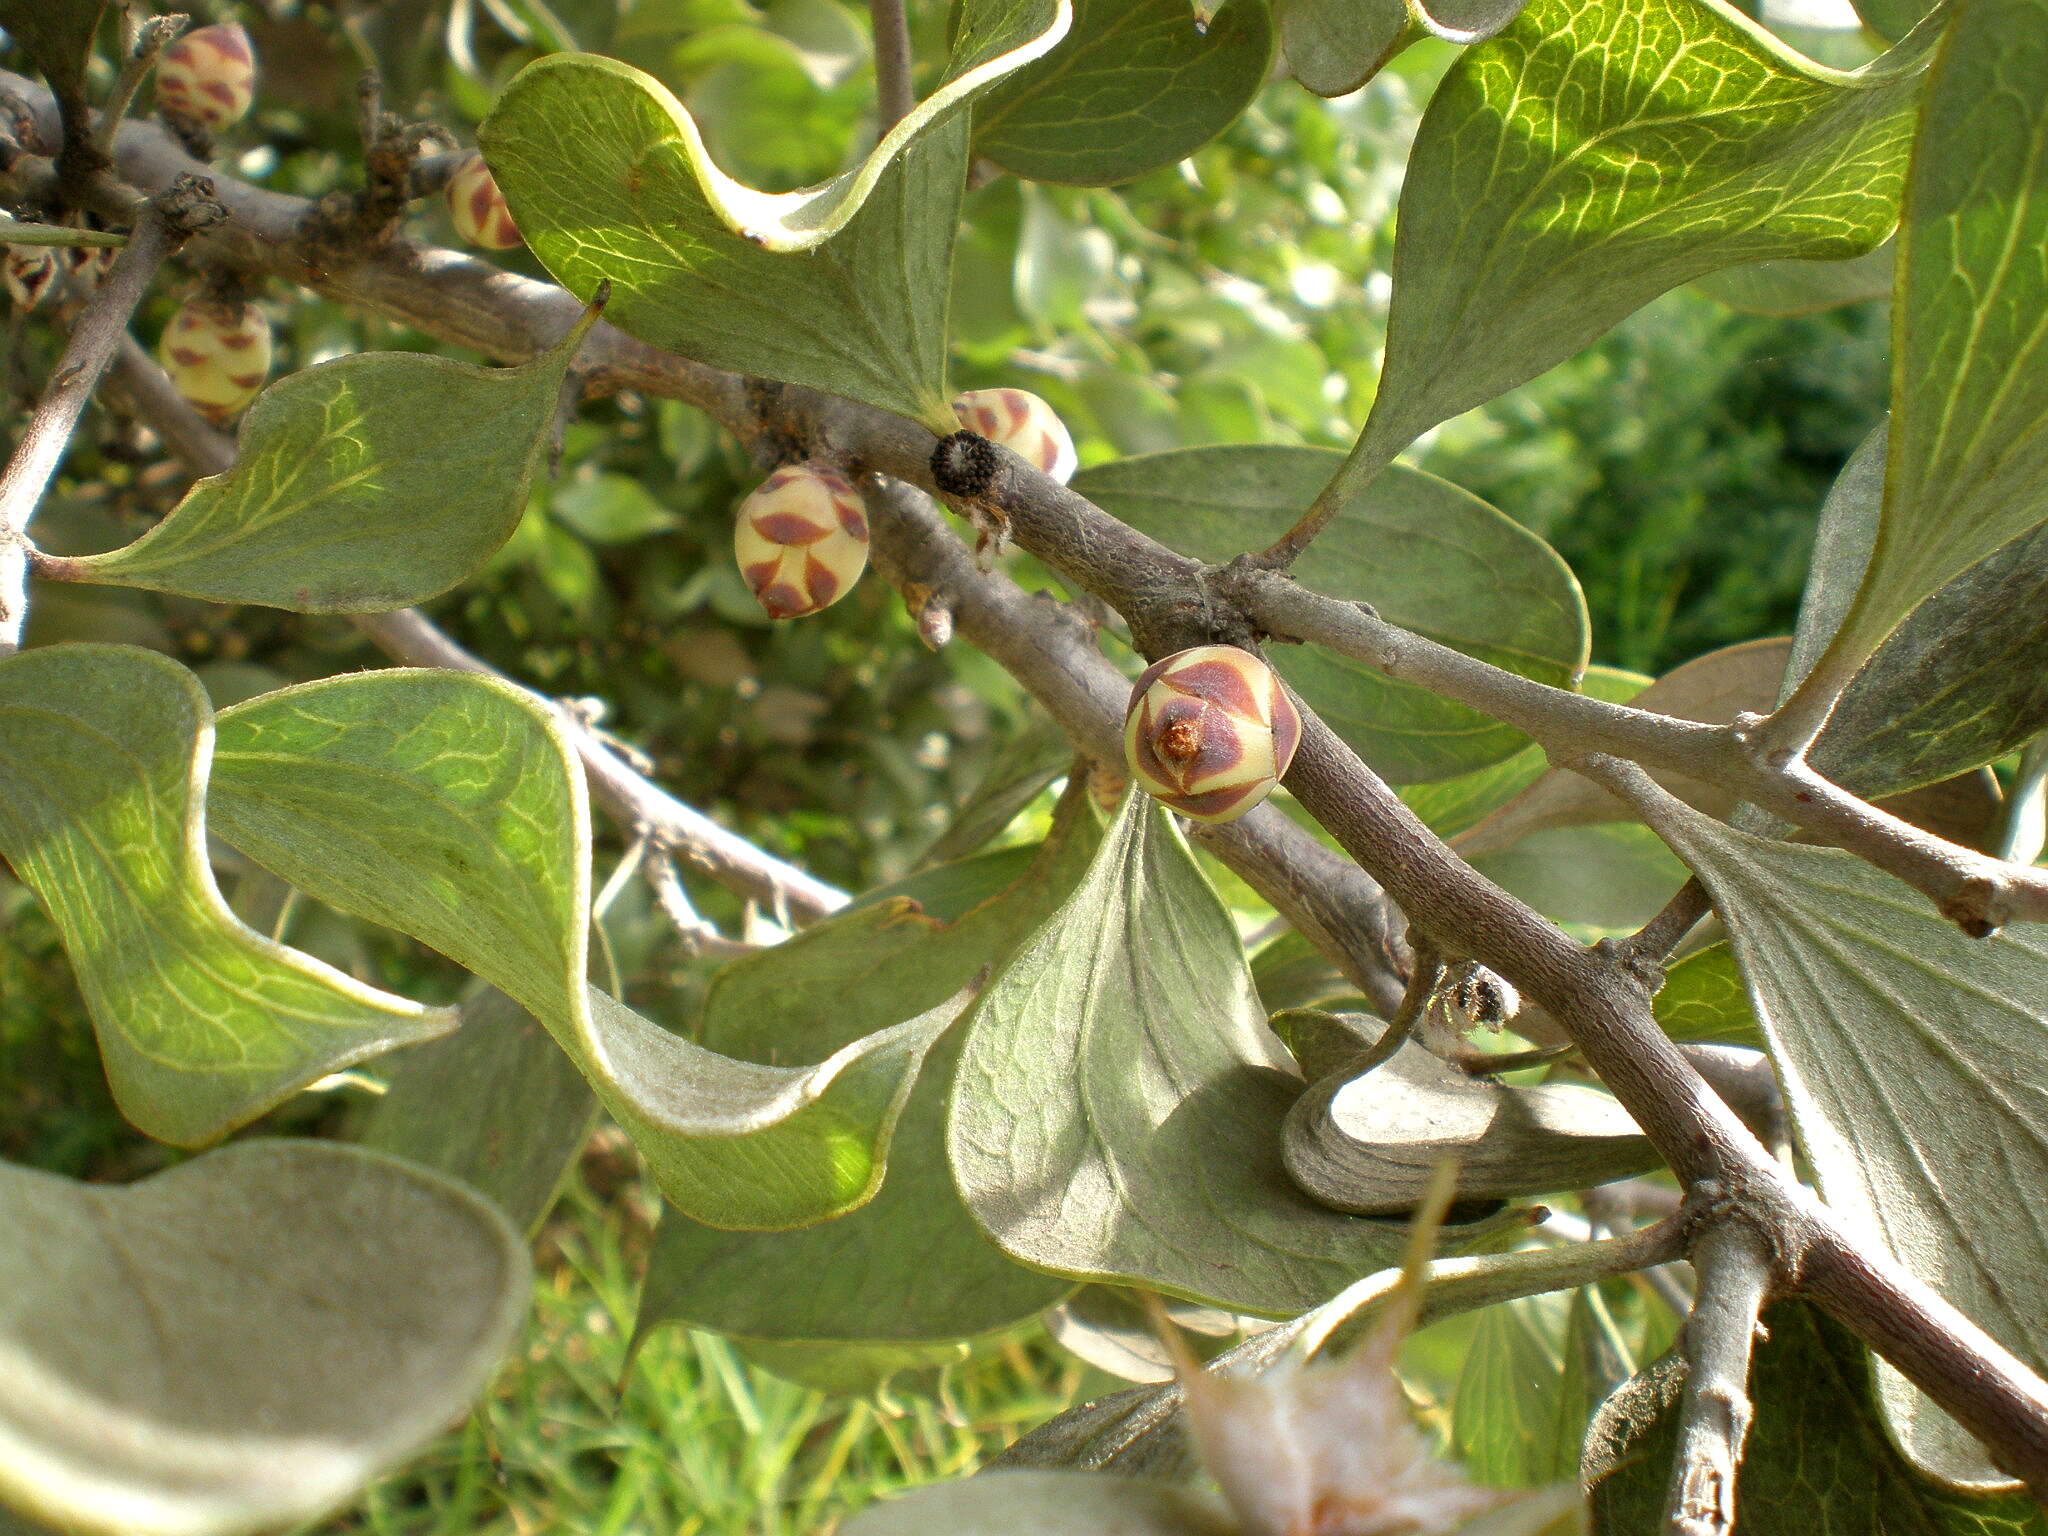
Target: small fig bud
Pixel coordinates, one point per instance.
(1210, 731)
(30, 272)
(1479, 996)
(1022, 423)
(208, 77)
(802, 540)
(217, 354)
(478, 208)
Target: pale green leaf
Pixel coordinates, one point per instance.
(910, 1267)
(1703, 1000)
(1134, 86)
(1818, 1461)
(1598, 153)
(203, 1023)
(1603, 880)
(1802, 287)
(243, 1341)
(841, 287)
(448, 807)
(1071, 1503)
(1039, 753)
(1334, 46)
(1914, 1062)
(361, 485)
(1120, 1098)
(1968, 462)
(1425, 554)
(497, 1104)
(1507, 1414)
(1893, 18)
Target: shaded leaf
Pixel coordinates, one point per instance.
(203, 1023)
(1914, 1060)
(1121, 1098)
(1593, 156)
(1334, 46)
(1040, 753)
(360, 485)
(841, 287)
(1510, 1424)
(57, 38)
(1604, 879)
(1802, 287)
(1134, 86)
(1290, 972)
(1968, 463)
(1893, 19)
(1425, 554)
(448, 807)
(1818, 1460)
(1083, 1503)
(243, 1341)
(1703, 1001)
(497, 1104)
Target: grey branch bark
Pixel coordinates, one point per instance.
(1733, 1266)
(1170, 602)
(894, 96)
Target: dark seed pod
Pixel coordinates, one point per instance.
(964, 464)
(1022, 423)
(30, 271)
(801, 540)
(1210, 732)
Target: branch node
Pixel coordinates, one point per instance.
(965, 464)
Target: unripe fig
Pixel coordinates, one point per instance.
(30, 271)
(1022, 423)
(218, 355)
(801, 539)
(1210, 731)
(208, 77)
(478, 208)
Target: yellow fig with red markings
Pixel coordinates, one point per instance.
(1209, 732)
(801, 540)
(217, 354)
(30, 272)
(1022, 423)
(478, 210)
(207, 78)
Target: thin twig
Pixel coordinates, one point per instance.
(92, 344)
(19, 232)
(1654, 941)
(150, 40)
(1733, 1265)
(698, 936)
(894, 96)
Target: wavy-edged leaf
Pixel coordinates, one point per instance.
(203, 1023)
(1817, 1462)
(1120, 1098)
(1594, 155)
(497, 1104)
(361, 485)
(1914, 1062)
(841, 287)
(1424, 553)
(242, 1341)
(910, 1268)
(1967, 468)
(448, 807)
(1134, 86)
(1962, 682)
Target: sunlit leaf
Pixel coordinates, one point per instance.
(1912, 1059)
(1134, 86)
(243, 1341)
(361, 485)
(1818, 1458)
(1591, 157)
(841, 286)
(203, 1023)
(1703, 1000)
(1119, 1097)
(448, 807)
(1425, 554)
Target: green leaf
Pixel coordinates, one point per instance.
(1802, 287)
(610, 509)
(1290, 972)
(1120, 1098)
(841, 287)
(1334, 46)
(243, 1341)
(1968, 462)
(1818, 1461)
(203, 1024)
(1962, 682)
(1038, 755)
(497, 1104)
(1914, 1060)
(361, 485)
(1073, 1503)
(1703, 1000)
(1135, 85)
(1593, 156)
(448, 807)
(1425, 554)
(1510, 1424)
(1606, 879)
(910, 1267)
(1893, 19)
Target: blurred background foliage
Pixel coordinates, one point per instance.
(1677, 465)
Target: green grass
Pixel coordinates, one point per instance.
(699, 1443)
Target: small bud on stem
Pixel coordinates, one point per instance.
(801, 540)
(207, 78)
